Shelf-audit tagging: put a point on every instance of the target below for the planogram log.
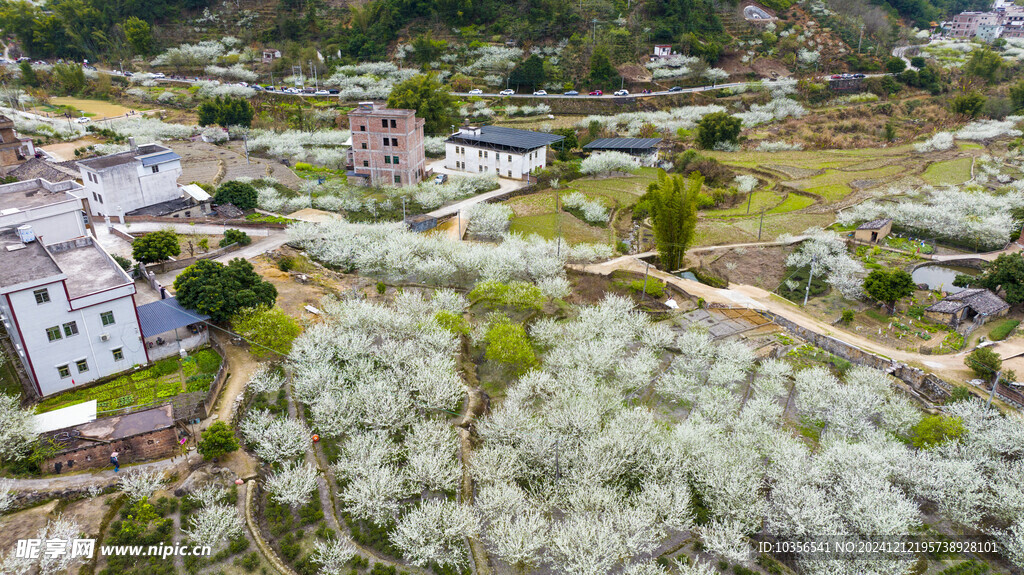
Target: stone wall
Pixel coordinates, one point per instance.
(927, 385)
(132, 449)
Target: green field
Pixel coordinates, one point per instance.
(572, 230)
(165, 378)
(955, 171)
(793, 203)
(760, 200)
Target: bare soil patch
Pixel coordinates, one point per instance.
(764, 267)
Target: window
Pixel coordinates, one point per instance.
(398, 179)
(362, 128)
(386, 140)
(363, 145)
(387, 159)
(100, 198)
(53, 333)
(118, 354)
(82, 366)
(510, 157)
(42, 295)
(383, 123)
(479, 153)
(394, 124)
(70, 329)
(107, 317)
(485, 154)
(510, 173)
(394, 141)
(94, 197)
(394, 160)
(156, 169)
(366, 163)
(64, 370)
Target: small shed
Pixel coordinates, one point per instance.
(977, 305)
(169, 328)
(270, 54)
(873, 231)
(631, 146)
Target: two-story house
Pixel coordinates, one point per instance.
(507, 152)
(68, 308)
(119, 184)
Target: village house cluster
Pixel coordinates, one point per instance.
(1005, 20)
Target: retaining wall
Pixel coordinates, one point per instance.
(926, 384)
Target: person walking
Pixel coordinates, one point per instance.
(114, 462)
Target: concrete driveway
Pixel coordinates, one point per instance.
(505, 187)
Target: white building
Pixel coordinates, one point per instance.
(118, 184)
(68, 308)
(507, 152)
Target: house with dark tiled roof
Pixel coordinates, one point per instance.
(976, 304)
(37, 169)
(873, 231)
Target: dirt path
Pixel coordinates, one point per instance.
(101, 478)
(739, 295)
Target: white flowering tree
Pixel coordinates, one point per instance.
(489, 221)
(435, 532)
(215, 523)
(826, 253)
(274, 439)
(292, 484)
(593, 210)
(17, 432)
(141, 484)
(604, 163)
(7, 495)
(333, 556)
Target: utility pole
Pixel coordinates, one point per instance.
(647, 268)
(558, 218)
(994, 385)
(403, 208)
(750, 198)
(760, 225)
(810, 276)
(245, 144)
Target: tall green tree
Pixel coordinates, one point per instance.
(156, 246)
(673, 205)
(220, 290)
(430, 98)
(1005, 273)
(226, 112)
(69, 78)
(139, 35)
(716, 128)
(28, 74)
(1017, 95)
(217, 441)
(529, 73)
(602, 74)
(984, 63)
(268, 327)
(889, 286)
(968, 105)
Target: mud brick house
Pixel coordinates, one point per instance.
(977, 305)
(387, 146)
(873, 231)
(139, 436)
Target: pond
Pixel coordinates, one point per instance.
(940, 276)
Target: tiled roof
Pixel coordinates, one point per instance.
(980, 300)
(874, 224)
(622, 143)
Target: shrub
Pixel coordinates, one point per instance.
(381, 287)
(522, 295)
(235, 237)
(249, 563)
(1003, 329)
(983, 362)
(654, 287)
(934, 429)
(125, 263)
(452, 322)
(241, 194)
(508, 343)
(847, 316)
(165, 367)
(217, 440)
(959, 394)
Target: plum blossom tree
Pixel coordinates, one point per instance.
(435, 532)
(215, 523)
(16, 429)
(828, 255)
(274, 439)
(141, 484)
(292, 484)
(604, 163)
(333, 556)
(6, 495)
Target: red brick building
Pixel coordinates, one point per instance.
(387, 146)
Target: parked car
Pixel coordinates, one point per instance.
(507, 92)
(159, 75)
(836, 76)
(596, 93)
(859, 76)
(82, 120)
(440, 179)
(39, 63)
(645, 91)
(571, 93)
(257, 87)
(333, 91)
(23, 59)
(676, 89)
(322, 93)
(621, 93)
(243, 84)
(540, 93)
(128, 74)
(476, 91)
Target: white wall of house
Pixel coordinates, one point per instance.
(94, 343)
(120, 189)
(55, 222)
(465, 158)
